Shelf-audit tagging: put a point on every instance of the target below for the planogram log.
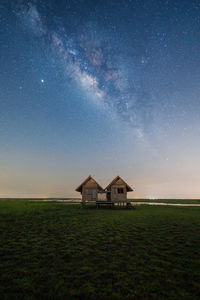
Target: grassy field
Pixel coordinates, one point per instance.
(61, 251)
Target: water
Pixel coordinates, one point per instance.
(166, 204)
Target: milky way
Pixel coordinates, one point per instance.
(94, 64)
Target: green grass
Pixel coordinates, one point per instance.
(61, 251)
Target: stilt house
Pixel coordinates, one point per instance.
(89, 189)
(117, 190)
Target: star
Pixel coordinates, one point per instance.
(42, 80)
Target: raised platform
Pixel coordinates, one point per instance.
(110, 204)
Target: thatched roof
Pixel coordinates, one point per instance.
(129, 189)
(79, 188)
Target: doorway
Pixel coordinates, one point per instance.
(108, 196)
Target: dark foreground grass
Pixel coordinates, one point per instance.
(60, 251)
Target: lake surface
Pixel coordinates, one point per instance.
(167, 204)
(77, 201)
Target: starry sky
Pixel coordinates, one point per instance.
(104, 88)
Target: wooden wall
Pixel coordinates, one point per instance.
(89, 191)
(114, 191)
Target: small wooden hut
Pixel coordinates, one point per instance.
(89, 190)
(117, 190)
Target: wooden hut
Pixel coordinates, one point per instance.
(117, 190)
(89, 190)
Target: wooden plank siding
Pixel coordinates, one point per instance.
(90, 190)
(115, 192)
(115, 195)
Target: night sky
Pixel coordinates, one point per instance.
(104, 88)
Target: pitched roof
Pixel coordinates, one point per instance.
(79, 188)
(129, 189)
